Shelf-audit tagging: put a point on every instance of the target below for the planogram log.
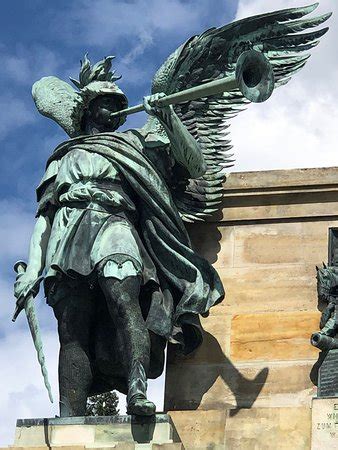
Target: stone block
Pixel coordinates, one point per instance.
(200, 429)
(30, 435)
(215, 243)
(45, 447)
(68, 447)
(269, 337)
(72, 434)
(216, 340)
(279, 207)
(172, 446)
(272, 198)
(219, 386)
(118, 446)
(277, 179)
(270, 244)
(264, 289)
(268, 428)
(324, 423)
(94, 432)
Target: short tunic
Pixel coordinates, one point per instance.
(94, 222)
(90, 196)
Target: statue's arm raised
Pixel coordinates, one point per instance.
(186, 150)
(26, 282)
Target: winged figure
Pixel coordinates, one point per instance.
(120, 272)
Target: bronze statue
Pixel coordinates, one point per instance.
(327, 288)
(120, 273)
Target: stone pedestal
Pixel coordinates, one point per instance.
(245, 429)
(118, 432)
(324, 423)
(248, 386)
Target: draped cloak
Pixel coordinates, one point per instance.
(189, 285)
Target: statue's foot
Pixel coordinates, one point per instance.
(141, 407)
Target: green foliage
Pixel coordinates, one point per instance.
(103, 404)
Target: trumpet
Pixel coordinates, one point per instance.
(253, 76)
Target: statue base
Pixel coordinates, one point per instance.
(118, 432)
(324, 423)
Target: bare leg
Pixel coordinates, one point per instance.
(122, 298)
(74, 317)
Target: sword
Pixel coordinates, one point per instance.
(28, 305)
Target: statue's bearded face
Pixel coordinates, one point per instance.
(99, 112)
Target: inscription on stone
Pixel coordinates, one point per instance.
(324, 423)
(328, 376)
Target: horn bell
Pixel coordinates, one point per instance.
(255, 77)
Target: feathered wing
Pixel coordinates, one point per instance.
(212, 55)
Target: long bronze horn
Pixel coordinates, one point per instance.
(253, 77)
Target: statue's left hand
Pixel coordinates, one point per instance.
(153, 107)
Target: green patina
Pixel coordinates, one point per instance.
(120, 272)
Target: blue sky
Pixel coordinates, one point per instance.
(40, 38)
(296, 128)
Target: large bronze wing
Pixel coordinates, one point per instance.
(213, 54)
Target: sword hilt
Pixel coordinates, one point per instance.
(20, 267)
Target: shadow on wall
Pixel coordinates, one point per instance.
(314, 373)
(205, 238)
(315, 369)
(190, 377)
(187, 381)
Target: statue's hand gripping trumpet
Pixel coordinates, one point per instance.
(120, 273)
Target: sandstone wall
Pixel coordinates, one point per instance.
(252, 374)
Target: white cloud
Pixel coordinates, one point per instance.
(145, 40)
(14, 113)
(137, 20)
(133, 74)
(28, 64)
(16, 224)
(23, 394)
(129, 28)
(23, 67)
(297, 127)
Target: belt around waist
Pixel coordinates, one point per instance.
(101, 184)
(117, 185)
(118, 210)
